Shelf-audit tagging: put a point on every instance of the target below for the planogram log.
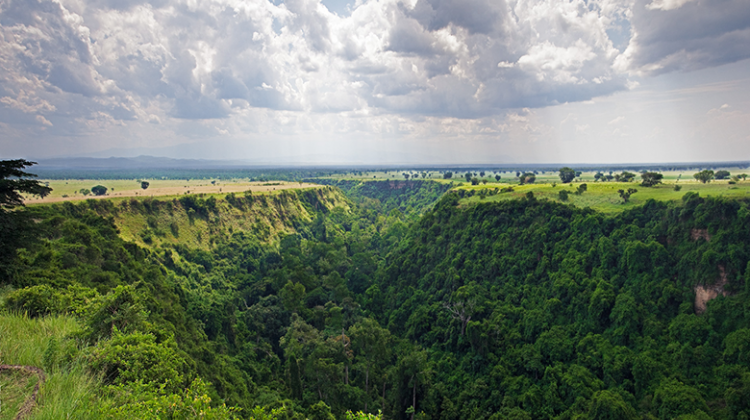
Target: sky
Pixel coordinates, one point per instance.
(377, 81)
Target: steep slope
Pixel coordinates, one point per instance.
(533, 309)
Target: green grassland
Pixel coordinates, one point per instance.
(72, 187)
(603, 196)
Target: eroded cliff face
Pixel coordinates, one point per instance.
(704, 294)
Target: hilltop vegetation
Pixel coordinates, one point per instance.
(306, 304)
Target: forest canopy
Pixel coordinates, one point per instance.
(404, 302)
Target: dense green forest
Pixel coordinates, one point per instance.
(401, 301)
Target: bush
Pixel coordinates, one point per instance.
(34, 301)
(135, 400)
(137, 357)
(563, 195)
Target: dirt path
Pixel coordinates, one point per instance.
(30, 402)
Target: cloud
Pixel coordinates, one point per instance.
(82, 67)
(666, 4)
(678, 35)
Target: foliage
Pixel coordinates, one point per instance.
(625, 194)
(99, 190)
(16, 228)
(704, 176)
(525, 308)
(144, 184)
(625, 176)
(722, 174)
(567, 175)
(651, 179)
(14, 181)
(142, 402)
(137, 357)
(527, 178)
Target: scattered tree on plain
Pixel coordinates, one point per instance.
(567, 175)
(625, 195)
(722, 174)
(99, 190)
(144, 184)
(704, 176)
(527, 178)
(651, 178)
(625, 176)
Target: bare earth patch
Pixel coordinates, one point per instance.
(704, 294)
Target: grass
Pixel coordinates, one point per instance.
(603, 196)
(69, 391)
(69, 190)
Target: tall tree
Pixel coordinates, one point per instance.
(704, 176)
(567, 174)
(651, 178)
(16, 228)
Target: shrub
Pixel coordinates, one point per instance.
(137, 357)
(34, 301)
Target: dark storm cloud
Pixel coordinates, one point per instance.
(688, 35)
(476, 16)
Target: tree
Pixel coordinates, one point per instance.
(651, 178)
(144, 184)
(567, 175)
(16, 228)
(99, 190)
(85, 191)
(563, 194)
(475, 181)
(743, 176)
(448, 175)
(625, 195)
(581, 189)
(598, 176)
(625, 176)
(722, 174)
(14, 182)
(468, 176)
(372, 346)
(527, 178)
(704, 176)
(481, 174)
(608, 405)
(497, 177)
